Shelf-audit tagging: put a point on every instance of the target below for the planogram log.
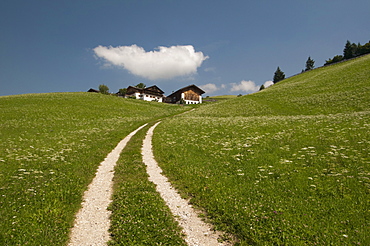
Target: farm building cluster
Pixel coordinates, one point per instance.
(191, 94)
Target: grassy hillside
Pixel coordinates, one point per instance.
(50, 148)
(286, 166)
(339, 88)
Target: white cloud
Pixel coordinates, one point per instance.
(210, 69)
(268, 83)
(209, 88)
(246, 86)
(162, 63)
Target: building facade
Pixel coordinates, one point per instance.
(152, 93)
(191, 94)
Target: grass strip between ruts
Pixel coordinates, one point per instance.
(139, 215)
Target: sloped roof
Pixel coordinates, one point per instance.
(92, 90)
(189, 87)
(155, 88)
(148, 90)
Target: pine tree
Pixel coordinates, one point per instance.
(278, 76)
(335, 59)
(309, 64)
(348, 51)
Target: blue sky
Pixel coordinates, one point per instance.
(225, 47)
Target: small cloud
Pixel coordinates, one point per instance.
(246, 86)
(162, 63)
(209, 88)
(268, 83)
(210, 69)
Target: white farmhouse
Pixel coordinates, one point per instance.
(152, 93)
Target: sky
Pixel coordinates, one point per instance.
(225, 47)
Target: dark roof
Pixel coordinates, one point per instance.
(92, 90)
(154, 88)
(194, 87)
(148, 90)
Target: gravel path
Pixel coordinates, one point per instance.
(92, 221)
(197, 232)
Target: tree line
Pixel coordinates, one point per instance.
(351, 50)
(104, 89)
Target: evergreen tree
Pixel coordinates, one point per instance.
(278, 76)
(357, 49)
(335, 59)
(262, 87)
(309, 64)
(348, 51)
(363, 49)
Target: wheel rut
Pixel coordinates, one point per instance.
(92, 221)
(196, 231)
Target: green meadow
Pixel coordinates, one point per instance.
(50, 148)
(289, 165)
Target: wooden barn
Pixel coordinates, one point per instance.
(191, 94)
(152, 93)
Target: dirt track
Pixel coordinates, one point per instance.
(92, 221)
